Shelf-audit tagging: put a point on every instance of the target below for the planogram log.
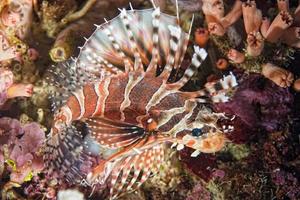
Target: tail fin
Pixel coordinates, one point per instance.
(64, 154)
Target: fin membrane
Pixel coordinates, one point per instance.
(132, 171)
(132, 40)
(113, 134)
(64, 154)
(66, 78)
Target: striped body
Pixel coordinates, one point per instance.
(128, 103)
(120, 98)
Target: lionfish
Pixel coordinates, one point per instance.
(120, 87)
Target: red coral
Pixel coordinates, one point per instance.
(199, 192)
(203, 165)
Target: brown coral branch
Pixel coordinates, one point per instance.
(252, 16)
(233, 15)
(216, 29)
(255, 44)
(76, 15)
(210, 19)
(278, 75)
(283, 5)
(291, 35)
(281, 22)
(73, 34)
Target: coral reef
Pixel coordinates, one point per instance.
(265, 41)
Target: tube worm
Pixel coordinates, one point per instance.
(222, 64)
(233, 15)
(19, 90)
(214, 8)
(63, 46)
(216, 28)
(296, 85)
(201, 37)
(297, 15)
(255, 44)
(252, 16)
(210, 19)
(291, 36)
(77, 15)
(235, 56)
(32, 54)
(278, 75)
(281, 22)
(283, 5)
(214, 15)
(265, 26)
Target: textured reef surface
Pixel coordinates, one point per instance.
(258, 154)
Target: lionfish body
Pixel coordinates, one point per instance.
(119, 87)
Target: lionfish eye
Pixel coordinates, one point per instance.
(196, 132)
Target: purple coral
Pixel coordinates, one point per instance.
(21, 145)
(199, 192)
(258, 104)
(287, 183)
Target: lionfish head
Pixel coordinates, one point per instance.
(198, 129)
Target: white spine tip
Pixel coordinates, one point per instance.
(130, 5)
(180, 147)
(173, 145)
(234, 81)
(195, 153)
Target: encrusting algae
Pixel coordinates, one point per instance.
(149, 99)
